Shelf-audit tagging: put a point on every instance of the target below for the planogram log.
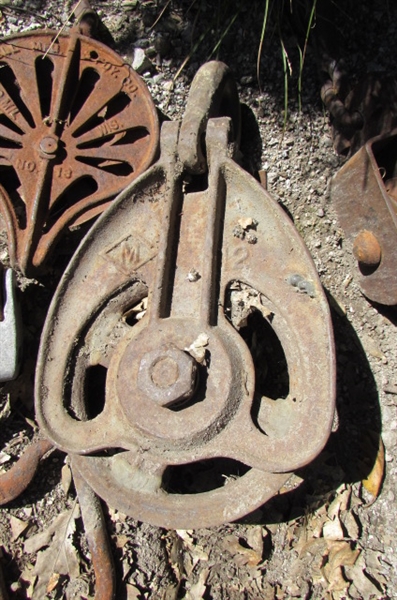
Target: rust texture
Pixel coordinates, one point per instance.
(14, 481)
(364, 195)
(97, 538)
(179, 386)
(77, 125)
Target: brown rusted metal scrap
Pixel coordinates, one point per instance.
(364, 122)
(178, 387)
(364, 190)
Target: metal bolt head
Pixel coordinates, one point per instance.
(49, 145)
(366, 249)
(167, 375)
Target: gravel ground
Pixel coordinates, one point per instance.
(324, 535)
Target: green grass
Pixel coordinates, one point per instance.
(274, 15)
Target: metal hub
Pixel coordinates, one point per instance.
(77, 125)
(139, 401)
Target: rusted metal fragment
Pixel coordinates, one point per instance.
(97, 538)
(14, 481)
(186, 245)
(77, 125)
(363, 194)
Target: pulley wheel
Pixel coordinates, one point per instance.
(77, 125)
(192, 411)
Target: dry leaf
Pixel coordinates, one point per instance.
(350, 524)
(121, 540)
(332, 530)
(38, 541)
(255, 539)
(197, 590)
(59, 557)
(313, 547)
(53, 582)
(373, 482)
(17, 527)
(132, 592)
(175, 554)
(185, 534)
(28, 578)
(197, 552)
(364, 585)
(66, 478)
(336, 579)
(341, 554)
(339, 503)
(242, 555)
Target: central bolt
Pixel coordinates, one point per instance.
(49, 145)
(164, 372)
(167, 375)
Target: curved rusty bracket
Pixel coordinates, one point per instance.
(14, 481)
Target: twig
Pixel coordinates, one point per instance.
(61, 545)
(258, 60)
(160, 15)
(62, 28)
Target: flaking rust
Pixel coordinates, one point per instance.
(138, 402)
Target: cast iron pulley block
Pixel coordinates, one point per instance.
(77, 125)
(229, 371)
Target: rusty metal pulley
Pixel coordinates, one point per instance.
(151, 402)
(77, 125)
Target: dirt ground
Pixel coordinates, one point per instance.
(331, 531)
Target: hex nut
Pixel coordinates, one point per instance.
(167, 375)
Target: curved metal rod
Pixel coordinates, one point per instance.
(213, 93)
(17, 479)
(98, 541)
